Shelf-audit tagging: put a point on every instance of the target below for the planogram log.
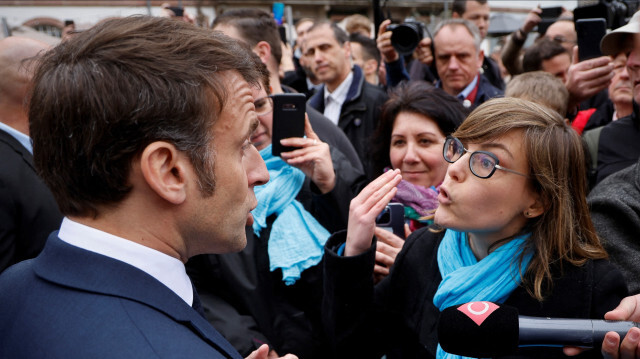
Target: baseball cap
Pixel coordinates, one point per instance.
(617, 40)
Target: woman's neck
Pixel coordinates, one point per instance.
(480, 243)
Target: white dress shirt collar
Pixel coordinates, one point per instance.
(168, 270)
(19, 136)
(333, 100)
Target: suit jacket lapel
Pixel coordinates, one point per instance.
(18, 147)
(71, 266)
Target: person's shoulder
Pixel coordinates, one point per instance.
(425, 240)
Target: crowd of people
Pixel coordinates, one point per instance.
(145, 214)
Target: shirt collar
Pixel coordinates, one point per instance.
(467, 90)
(19, 136)
(340, 93)
(168, 270)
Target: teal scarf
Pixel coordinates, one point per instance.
(297, 239)
(464, 279)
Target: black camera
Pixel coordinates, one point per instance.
(405, 37)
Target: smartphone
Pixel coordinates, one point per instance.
(551, 12)
(590, 33)
(392, 219)
(178, 11)
(288, 119)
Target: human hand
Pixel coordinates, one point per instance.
(313, 158)
(365, 208)
(587, 78)
(388, 53)
(264, 353)
(424, 51)
(387, 249)
(286, 61)
(532, 20)
(629, 309)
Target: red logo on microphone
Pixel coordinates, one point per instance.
(478, 311)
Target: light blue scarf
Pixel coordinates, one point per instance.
(464, 279)
(297, 239)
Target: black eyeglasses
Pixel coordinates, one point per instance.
(481, 163)
(263, 105)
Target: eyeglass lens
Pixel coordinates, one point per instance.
(481, 164)
(263, 105)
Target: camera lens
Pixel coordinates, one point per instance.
(405, 37)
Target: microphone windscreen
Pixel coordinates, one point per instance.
(479, 330)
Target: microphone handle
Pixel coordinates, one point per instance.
(554, 332)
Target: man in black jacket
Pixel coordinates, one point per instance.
(619, 141)
(28, 212)
(345, 98)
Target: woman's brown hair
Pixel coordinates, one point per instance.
(564, 232)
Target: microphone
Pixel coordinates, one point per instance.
(485, 329)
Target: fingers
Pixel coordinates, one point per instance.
(364, 209)
(629, 348)
(260, 353)
(389, 238)
(380, 271)
(610, 345)
(628, 309)
(383, 27)
(572, 351)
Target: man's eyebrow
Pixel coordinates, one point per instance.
(497, 145)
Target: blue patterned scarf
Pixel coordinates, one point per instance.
(297, 239)
(465, 279)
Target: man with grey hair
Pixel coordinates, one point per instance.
(458, 60)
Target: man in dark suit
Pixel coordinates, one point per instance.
(28, 212)
(141, 128)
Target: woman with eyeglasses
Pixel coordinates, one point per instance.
(513, 228)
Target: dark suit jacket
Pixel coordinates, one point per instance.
(73, 303)
(28, 212)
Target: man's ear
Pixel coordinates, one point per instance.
(455, 15)
(347, 49)
(480, 58)
(164, 169)
(263, 50)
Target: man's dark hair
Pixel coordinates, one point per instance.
(369, 47)
(101, 97)
(543, 49)
(253, 25)
(460, 6)
(421, 98)
(339, 34)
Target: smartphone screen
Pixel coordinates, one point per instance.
(590, 33)
(288, 119)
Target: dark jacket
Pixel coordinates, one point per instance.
(28, 211)
(486, 91)
(619, 144)
(72, 303)
(359, 115)
(615, 211)
(250, 305)
(398, 316)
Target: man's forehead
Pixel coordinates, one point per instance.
(453, 33)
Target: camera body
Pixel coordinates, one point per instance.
(406, 36)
